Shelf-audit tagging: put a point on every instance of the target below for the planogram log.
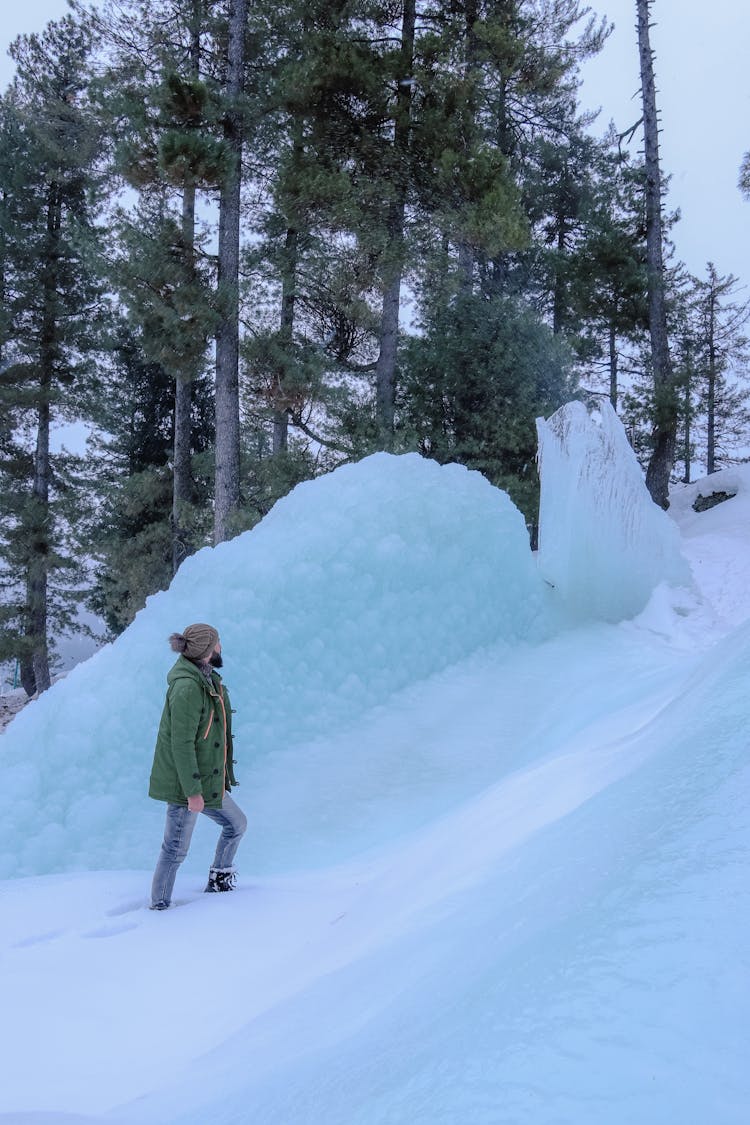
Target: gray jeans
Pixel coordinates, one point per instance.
(177, 836)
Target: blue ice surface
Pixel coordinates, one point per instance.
(354, 587)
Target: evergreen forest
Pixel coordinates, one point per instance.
(242, 243)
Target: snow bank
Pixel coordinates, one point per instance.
(715, 542)
(603, 544)
(354, 586)
(567, 946)
(732, 482)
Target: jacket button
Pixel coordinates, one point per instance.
(215, 794)
(196, 776)
(216, 745)
(216, 771)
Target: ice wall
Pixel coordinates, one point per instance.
(356, 585)
(603, 544)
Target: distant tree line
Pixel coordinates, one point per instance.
(246, 242)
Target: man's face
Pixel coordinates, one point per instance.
(215, 658)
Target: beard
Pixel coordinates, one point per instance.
(215, 660)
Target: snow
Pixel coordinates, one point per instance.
(500, 879)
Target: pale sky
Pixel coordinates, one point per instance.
(703, 93)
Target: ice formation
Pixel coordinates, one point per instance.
(355, 586)
(603, 544)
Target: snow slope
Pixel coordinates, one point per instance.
(511, 889)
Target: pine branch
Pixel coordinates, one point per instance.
(295, 417)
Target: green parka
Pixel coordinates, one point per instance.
(194, 745)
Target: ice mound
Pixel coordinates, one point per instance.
(603, 544)
(354, 586)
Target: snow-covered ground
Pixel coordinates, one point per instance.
(497, 865)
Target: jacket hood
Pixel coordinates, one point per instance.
(184, 669)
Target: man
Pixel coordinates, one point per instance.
(193, 762)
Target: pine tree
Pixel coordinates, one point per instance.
(744, 177)
(49, 179)
(129, 535)
(313, 280)
(502, 185)
(162, 109)
(607, 275)
(723, 359)
(474, 384)
(227, 477)
(392, 268)
(665, 394)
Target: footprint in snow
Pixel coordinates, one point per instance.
(126, 908)
(110, 931)
(36, 939)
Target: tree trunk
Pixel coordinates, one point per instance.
(37, 577)
(559, 298)
(466, 267)
(613, 372)
(385, 371)
(665, 397)
(288, 298)
(182, 482)
(182, 479)
(38, 569)
(466, 254)
(711, 389)
(182, 491)
(687, 410)
(3, 205)
(227, 489)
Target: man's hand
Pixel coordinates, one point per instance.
(196, 803)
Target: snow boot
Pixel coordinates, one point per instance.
(221, 879)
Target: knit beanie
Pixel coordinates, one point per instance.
(197, 642)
